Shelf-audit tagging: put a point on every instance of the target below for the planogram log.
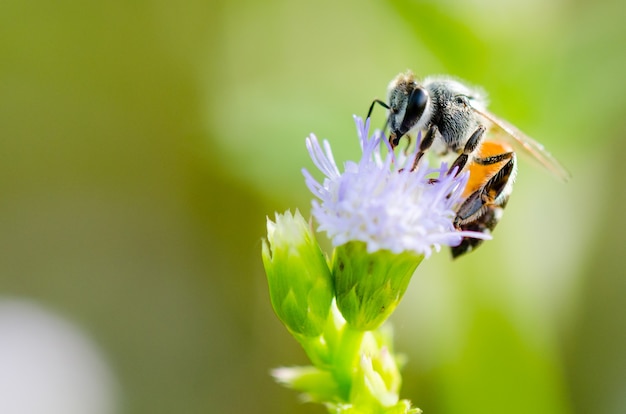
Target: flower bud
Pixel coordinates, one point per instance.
(298, 276)
(376, 379)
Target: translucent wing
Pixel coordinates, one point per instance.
(532, 147)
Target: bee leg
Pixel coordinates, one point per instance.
(408, 145)
(483, 209)
(484, 224)
(427, 141)
(499, 186)
(492, 193)
(470, 146)
(494, 159)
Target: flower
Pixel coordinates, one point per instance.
(382, 201)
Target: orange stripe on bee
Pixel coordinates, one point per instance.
(480, 174)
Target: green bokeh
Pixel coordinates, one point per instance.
(142, 144)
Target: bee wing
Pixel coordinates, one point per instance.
(529, 145)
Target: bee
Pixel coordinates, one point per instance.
(456, 124)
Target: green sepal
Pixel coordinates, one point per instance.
(369, 286)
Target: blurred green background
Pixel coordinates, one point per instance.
(143, 143)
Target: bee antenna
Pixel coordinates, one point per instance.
(379, 102)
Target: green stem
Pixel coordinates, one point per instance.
(315, 349)
(346, 358)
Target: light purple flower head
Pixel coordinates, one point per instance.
(381, 202)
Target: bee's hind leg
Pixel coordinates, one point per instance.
(484, 224)
(494, 193)
(482, 210)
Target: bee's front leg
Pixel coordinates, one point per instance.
(427, 141)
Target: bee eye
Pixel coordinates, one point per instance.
(416, 105)
(462, 100)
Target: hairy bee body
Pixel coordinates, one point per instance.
(456, 123)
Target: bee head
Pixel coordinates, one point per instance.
(407, 103)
